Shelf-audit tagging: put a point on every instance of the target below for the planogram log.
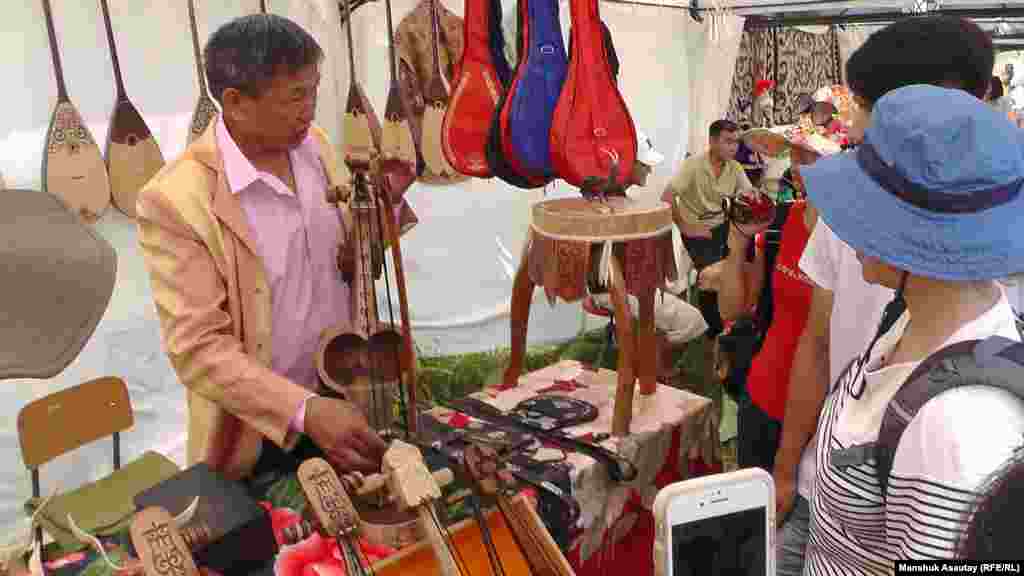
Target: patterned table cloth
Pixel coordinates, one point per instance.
(669, 417)
(669, 428)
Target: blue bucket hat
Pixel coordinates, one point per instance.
(934, 189)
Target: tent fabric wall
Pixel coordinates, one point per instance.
(712, 62)
(155, 51)
(459, 260)
(849, 40)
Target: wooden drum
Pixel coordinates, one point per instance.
(579, 246)
(572, 240)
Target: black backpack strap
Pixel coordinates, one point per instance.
(996, 361)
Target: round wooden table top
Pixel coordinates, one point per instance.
(597, 220)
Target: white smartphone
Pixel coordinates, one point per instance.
(718, 525)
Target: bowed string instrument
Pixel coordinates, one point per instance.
(370, 359)
(367, 360)
(525, 545)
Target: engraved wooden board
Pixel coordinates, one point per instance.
(73, 167)
(327, 497)
(159, 544)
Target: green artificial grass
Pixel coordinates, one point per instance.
(444, 378)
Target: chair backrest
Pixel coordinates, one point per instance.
(63, 421)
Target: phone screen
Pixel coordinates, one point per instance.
(726, 545)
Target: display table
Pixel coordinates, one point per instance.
(669, 434)
(668, 431)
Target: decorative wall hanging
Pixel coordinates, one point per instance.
(798, 62)
(414, 41)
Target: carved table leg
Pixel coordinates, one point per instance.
(646, 344)
(627, 351)
(522, 295)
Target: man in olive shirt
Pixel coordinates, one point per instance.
(695, 193)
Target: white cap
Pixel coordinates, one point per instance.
(645, 151)
(823, 94)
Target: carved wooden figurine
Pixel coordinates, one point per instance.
(415, 488)
(364, 487)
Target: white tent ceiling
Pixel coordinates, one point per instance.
(1005, 20)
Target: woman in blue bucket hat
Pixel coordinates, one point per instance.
(930, 201)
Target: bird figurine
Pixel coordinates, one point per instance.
(595, 188)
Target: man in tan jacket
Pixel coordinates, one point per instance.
(241, 247)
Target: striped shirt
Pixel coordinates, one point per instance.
(949, 449)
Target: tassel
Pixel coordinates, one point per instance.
(605, 267)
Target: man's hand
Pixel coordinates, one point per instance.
(785, 493)
(341, 431)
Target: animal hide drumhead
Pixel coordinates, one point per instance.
(58, 276)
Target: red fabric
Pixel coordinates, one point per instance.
(458, 420)
(768, 380)
(634, 553)
(562, 386)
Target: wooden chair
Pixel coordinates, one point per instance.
(69, 419)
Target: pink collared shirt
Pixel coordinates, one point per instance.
(297, 236)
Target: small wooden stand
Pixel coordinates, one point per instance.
(394, 534)
(414, 488)
(575, 241)
(410, 483)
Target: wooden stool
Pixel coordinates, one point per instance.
(575, 243)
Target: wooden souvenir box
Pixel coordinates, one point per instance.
(242, 538)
